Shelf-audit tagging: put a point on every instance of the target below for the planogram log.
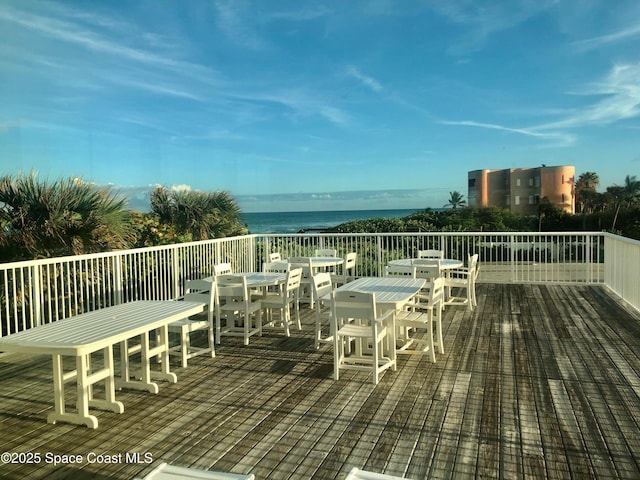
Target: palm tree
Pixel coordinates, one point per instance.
(626, 195)
(456, 200)
(65, 217)
(197, 215)
(587, 183)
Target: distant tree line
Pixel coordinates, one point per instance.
(41, 219)
(615, 210)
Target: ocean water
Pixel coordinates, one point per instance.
(294, 222)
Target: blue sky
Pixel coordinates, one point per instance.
(318, 105)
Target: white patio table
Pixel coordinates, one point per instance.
(97, 331)
(259, 279)
(391, 292)
(443, 263)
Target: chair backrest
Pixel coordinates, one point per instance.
(326, 252)
(347, 306)
(431, 253)
(436, 291)
(400, 271)
(427, 270)
(275, 267)
(322, 286)
(292, 282)
(350, 261)
(231, 288)
(304, 263)
(222, 269)
(201, 291)
(274, 257)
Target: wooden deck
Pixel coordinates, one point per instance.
(539, 382)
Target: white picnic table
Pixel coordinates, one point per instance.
(82, 335)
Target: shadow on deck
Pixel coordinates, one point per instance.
(540, 382)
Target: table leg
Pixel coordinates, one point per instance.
(146, 353)
(59, 413)
(106, 374)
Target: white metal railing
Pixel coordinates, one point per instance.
(43, 291)
(622, 268)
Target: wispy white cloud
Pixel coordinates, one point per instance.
(369, 82)
(234, 20)
(67, 31)
(483, 19)
(624, 34)
(619, 99)
(620, 90)
(531, 132)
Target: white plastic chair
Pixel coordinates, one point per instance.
(165, 471)
(431, 253)
(322, 287)
(354, 316)
(275, 257)
(242, 315)
(222, 269)
(421, 316)
(306, 290)
(357, 474)
(282, 301)
(195, 291)
(275, 267)
(399, 271)
(464, 279)
(347, 271)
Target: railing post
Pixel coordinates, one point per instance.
(36, 295)
(118, 280)
(177, 273)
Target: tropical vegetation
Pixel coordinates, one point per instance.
(41, 219)
(65, 217)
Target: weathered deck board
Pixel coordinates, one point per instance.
(539, 381)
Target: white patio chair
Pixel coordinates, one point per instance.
(431, 253)
(283, 300)
(275, 267)
(357, 474)
(347, 271)
(275, 257)
(322, 287)
(222, 269)
(326, 252)
(306, 289)
(165, 471)
(354, 316)
(427, 269)
(242, 315)
(195, 291)
(399, 271)
(421, 316)
(463, 279)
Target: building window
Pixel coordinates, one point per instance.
(517, 200)
(531, 182)
(530, 199)
(472, 182)
(517, 182)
